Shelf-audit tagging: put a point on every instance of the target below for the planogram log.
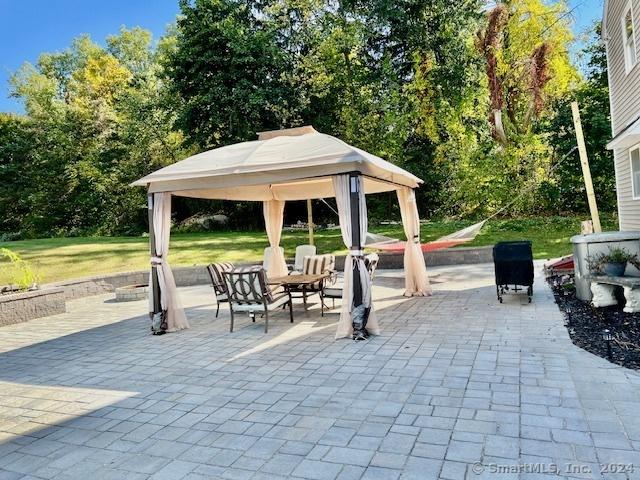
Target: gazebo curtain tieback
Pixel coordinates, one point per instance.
(155, 261)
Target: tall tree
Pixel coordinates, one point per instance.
(565, 191)
(525, 45)
(228, 71)
(100, 118)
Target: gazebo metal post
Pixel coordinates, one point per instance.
(358, 318)
(155, 286)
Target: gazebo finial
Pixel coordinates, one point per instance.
(286, 132)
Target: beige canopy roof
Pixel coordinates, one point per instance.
(294, 164)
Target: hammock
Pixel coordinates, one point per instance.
(388, 244)
(453, 239)
(461, 236)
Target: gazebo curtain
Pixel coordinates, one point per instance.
(341, 185)
(175, 317)
(416, 278)
(415, 271)
(273, 220)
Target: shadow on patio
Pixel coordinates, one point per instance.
(114, 400)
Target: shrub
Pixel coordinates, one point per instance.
(19, 271)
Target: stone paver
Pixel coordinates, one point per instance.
(457, 386)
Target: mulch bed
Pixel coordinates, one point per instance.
(586, 324)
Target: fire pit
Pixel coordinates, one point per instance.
(131, 293)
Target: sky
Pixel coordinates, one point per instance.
(30, 27)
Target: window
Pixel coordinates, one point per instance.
(634, 155)
(629, 39)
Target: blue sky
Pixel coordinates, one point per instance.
(30, 27)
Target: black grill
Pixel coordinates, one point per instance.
(513, 263)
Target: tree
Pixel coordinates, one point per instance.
(565, 191)
(227, 70)
(525, 45)
(18, 164)
(475, 103)
(101, 121)
(393, 78)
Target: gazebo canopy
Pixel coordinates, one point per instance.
(293, 164)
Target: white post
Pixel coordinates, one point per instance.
(310, 220)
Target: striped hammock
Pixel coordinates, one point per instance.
(380, 242)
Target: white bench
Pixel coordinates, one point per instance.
(603, 290)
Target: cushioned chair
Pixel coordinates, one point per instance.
(301, 252)
(217, 280)
(335, 291)
(267, 257)
(249, 292)
(316, 265)
(371, 262)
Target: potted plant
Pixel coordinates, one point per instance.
(613, 263)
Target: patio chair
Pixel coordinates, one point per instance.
(316, 265)
(371, 262)
(267, 256)
(335, 291)
(302, 251)
(217, 281)
(249, 292)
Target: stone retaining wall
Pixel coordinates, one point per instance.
(50, 300)
(447, 256)
(459, 256)
(23, 306)
(132, 293)
(86, 286)
(197, 274)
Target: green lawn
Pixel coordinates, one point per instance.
(63, 258)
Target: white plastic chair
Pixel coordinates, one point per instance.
(267, 257)
(301, 252)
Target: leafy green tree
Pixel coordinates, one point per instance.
(524, 45)
(565, 191)
(19, 164)
(227, 69)
(475, 103)
(101, 120)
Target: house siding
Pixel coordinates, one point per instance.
(628, 208)
(624, 91)
(625, 101)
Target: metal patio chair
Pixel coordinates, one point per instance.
(335, 291)
(316, 265)
(216, 271)
(249, 292)
(302, 251)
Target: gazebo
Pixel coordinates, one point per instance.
(285, 165)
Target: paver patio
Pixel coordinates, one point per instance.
(453, 380)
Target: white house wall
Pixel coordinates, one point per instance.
(624, 91)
